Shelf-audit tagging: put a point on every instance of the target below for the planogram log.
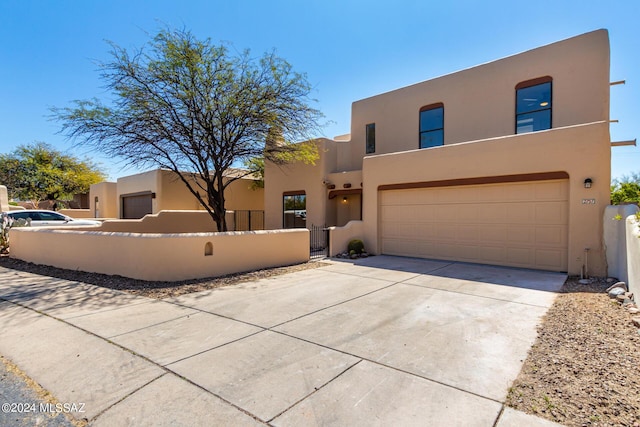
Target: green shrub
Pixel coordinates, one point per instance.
(356, 246)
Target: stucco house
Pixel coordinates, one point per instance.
(505, 163)
(150, 192)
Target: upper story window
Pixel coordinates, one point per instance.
(432, 125)
(371, 138)
(533, 105)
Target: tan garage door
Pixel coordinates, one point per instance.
(522, 224)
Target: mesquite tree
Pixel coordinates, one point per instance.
(197, 109)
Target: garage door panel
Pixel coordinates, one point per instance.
(493, 233)
(488, 214)
(551, 190)
(518, 257)
(468, 233)
(516, 224)
(551, 259)
(446, 232)
(520, 213)
(518, 192)
(522, 235)
(554, 236)
(470, 213)
(492, 254)
(445, 213)
(136, 206)
(551, 213)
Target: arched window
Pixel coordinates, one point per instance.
(432, 125)
(533, 105)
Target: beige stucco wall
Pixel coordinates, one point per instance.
(76, 213)
(161, 257)
(107, 194)
(615, 223)
(339, 237)
(141, 182)
(299, 176)
(580, 151)
(240, 195)
(479, 102)
(172, 194)
(633, 254)
(4, 199)
(164, 222)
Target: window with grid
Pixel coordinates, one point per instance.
(432, 125)
(533, 105)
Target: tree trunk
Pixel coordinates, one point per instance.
(216, 202)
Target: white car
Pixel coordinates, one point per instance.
(40, 218)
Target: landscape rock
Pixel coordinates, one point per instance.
(636, 321)
(614, 292)
(622, 285)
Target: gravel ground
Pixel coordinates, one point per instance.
(583, 370)
(157, 290)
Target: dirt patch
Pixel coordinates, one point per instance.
(157, 290)
(584, 368)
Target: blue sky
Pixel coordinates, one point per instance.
(350, 49)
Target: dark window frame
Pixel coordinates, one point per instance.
(295, 195)
(370, 138)
(430, 107)
(528, 84)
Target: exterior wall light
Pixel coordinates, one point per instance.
(588, 182)
(344, 199)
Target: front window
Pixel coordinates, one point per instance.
(295, 210)
(371, 138)
(432, 125)
(533, 105)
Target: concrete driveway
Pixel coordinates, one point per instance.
(379, 341)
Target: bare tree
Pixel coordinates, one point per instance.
(191, 106)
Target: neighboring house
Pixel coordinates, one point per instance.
(135, 196)
(505, 163)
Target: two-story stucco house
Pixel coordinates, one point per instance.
(505, 163)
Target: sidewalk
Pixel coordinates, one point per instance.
(389, 341)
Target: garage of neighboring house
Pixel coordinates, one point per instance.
(135, 206)
(519, 221)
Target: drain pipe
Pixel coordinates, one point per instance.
(586, 263)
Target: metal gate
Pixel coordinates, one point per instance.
(319, 239)
(245, 220)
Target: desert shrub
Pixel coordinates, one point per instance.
(356, 246)
(6, 223)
